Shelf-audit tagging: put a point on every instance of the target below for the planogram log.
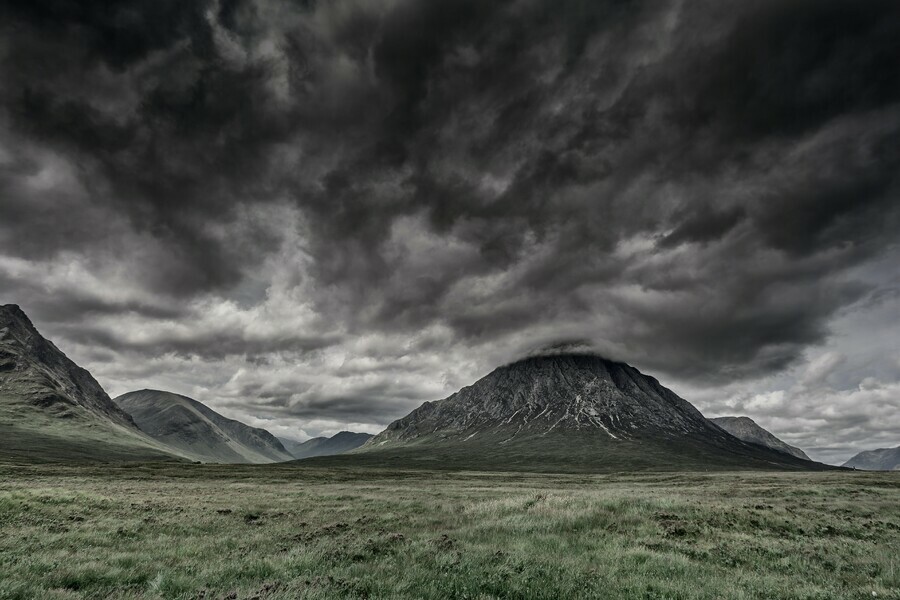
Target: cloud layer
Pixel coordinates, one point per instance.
(319, 214)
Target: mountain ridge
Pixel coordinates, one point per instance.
(556, 412)
(567, 411)
(53, 409)
(551, 372)
(198, 431)
(748, 430)
(881, 459)
(341, 442)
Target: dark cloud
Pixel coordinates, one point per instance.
(693, 186)
(704, 224)
(788, 67)
(209, 345)
(368, 403)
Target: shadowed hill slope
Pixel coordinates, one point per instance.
(883, 459)
(745, 428)
(197, 431)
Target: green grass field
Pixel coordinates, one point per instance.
(197, 531)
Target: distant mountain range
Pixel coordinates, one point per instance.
(745, 428)
(197, 431)
(561, 412)
(566, 412)
(326, 446)
(52, 409)
(883, 459)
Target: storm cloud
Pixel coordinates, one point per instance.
(320, 214)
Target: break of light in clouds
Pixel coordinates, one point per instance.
(316, 215)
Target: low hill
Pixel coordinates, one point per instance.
(52, 409)
(339, 443)
(195, 430)
(745, 428)
(564, 413)
(883, 459)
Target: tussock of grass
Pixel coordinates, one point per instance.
(278, 532)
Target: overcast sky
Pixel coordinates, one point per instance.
(315, 215)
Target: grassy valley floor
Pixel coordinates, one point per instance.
(267, 532)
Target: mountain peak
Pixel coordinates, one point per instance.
(199, 432)
(882, 459)
(561, 359)
(339, 443)
(746, 429)
(43, 388)
(567, 411)
(45, 375)
(11, 315)
(540, 394)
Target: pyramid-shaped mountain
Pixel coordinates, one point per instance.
(568, 412)
(51, 409)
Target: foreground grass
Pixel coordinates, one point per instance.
(170, 531)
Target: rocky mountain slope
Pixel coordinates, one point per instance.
(197, 431)
(50, 408)
(339, 443)
(745, 428)
(883, 459)
(569, 412)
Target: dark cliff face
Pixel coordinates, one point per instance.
(557, 393)
(35, 371)
(745, 428)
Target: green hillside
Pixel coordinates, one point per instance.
(193, 429)
(52, 409)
